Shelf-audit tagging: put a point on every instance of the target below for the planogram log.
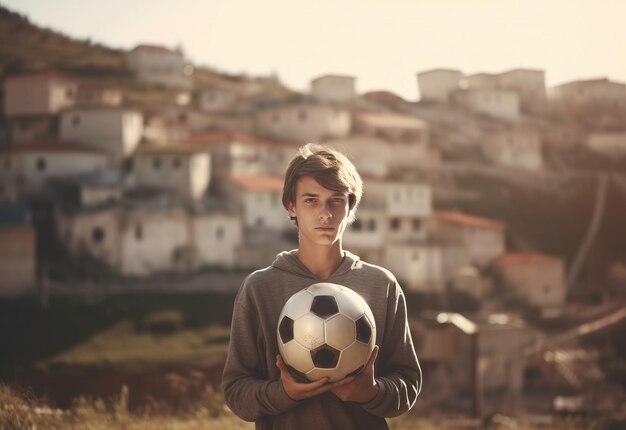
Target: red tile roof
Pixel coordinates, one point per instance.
(258, 183)
(469, 220)
(521, 258)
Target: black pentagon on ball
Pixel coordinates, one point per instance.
(285, 329)
(324, 306)
(363, 330)
(325, 357)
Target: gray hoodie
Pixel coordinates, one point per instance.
(251, 380)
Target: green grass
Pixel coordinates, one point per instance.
(123, 344)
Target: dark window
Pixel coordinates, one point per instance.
(357, 225)
(371, 225)
(75, 120)
(219, 233)
(138, 232)
(156, 163)
(417, 223)
(97, 235)
(41, 164)
(176, 163)
(394, 223)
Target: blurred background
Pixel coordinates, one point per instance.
(142, 148)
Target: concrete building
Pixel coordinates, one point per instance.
(185, 169)
(140, 241)
(24, 169)
(333, 88)
(611, 144)
(467, 239)
(160, 65)
(503, 104)
(17, 251)
(438, 84)
(391, 230)
(590, 93)
(529, 84)
(243, 155)
(217, 100)
(260, 202)
(391, 126)
(304, 123)
(538, 279)
(35, 94)
(514, 147)
(117, 130)
(482, 81)
(359, 149)
(93, 94)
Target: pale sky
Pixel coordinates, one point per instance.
(383, 43)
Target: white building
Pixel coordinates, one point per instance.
(359, 149)
(482, 81)
(612, 144)
(185, 169)
(438, 84)
(243, 155)
(593, 92)
(529, 84)
(38, 94)
(502, 104)
(139, 242)
(391, 230)
(160, 65)
(26, 168)
(467, 239)
(538, 279)
(514, 147)
(116, 131)
(217, 100)
(392, 126)
(304, 122)
(93, 94)
(333, 88)
(260, 200)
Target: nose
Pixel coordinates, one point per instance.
(325, 213)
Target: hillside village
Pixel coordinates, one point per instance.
(190, 181)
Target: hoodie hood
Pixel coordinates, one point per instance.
(288, 262)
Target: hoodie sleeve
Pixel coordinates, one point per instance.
(247, 392)
(397, 370)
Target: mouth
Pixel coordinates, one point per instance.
(325, 228)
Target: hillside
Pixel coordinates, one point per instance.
(25, 46)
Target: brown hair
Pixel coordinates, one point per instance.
(330, 168)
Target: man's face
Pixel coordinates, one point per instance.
(321, 213)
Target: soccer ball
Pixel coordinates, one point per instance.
(326, 330)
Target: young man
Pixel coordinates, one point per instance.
(321, 194)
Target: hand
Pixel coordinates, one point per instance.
(359, 388)
(296, 390)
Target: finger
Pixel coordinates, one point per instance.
(373, 357)
(319, 390)
(315, 384)
(342, 382)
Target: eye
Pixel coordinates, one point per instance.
(310, 200)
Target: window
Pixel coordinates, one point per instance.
(75, 120)
(97, 235)
(156, 163)
(139, 232)
(219, 233)
(259, 222)
(371, 225)
(394, 223)
(417, 224)
(357, 225)
(41, 164)
(176, 163)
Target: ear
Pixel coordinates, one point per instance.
(291, 209)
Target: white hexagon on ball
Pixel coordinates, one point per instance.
(308, 331)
